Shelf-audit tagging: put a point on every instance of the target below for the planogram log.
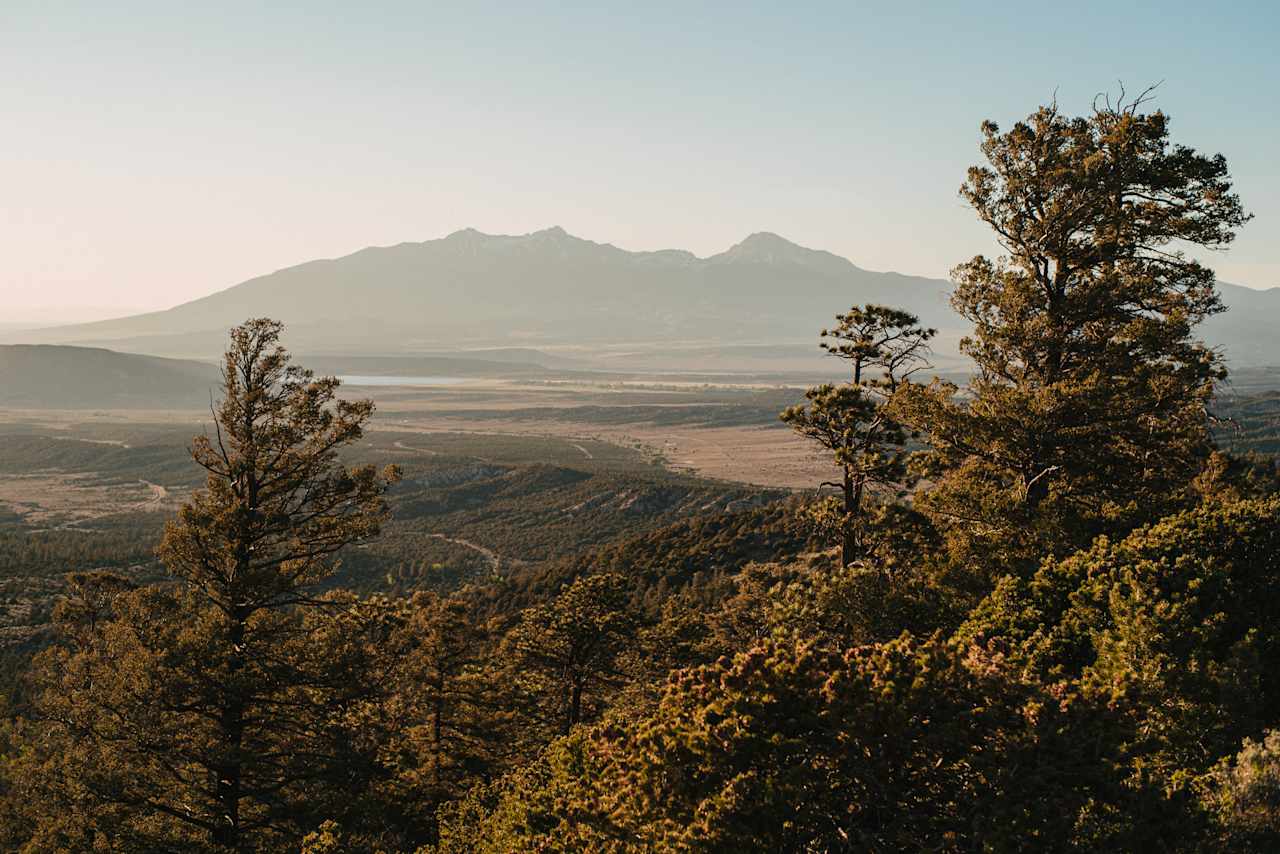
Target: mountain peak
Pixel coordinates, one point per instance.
(555, 232)
(768, 239)
(765, 247)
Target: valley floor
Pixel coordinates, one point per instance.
(754, 455)
(728, 433)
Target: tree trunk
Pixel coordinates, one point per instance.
(849, 546)
(437, 714)
(575, 705)
(231, 724)
(1035, 490)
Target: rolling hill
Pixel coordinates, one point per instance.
(472, 290)
(57, 377)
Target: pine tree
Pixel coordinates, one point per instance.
(884, 346)
(566, 652)
(1088, 409)
(211, 713)
(443, 727)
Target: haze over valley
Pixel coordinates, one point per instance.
(753, 308)
(329, 525)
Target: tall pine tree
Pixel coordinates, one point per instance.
(853, 421)
(212, 713)
(1088, 410)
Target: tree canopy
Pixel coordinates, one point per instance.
(1048, 619)
(1088, 410)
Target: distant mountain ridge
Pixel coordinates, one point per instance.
(472, 290)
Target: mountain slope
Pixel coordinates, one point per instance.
(53, 377)
(472, 290)
(1246, 332)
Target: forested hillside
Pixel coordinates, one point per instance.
(1039, 612)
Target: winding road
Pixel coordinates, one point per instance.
(402, 446)
(494, 559)
(159, 495)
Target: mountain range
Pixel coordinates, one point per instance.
(549, 289)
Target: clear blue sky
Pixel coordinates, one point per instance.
(156, 152)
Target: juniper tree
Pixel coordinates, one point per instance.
(883, 346)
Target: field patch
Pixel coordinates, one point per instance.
(63, 501)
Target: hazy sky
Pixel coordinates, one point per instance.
(156, 152)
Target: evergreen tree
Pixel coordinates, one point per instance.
(442, 723)
(213, 713)
(884, 346)
(905, 746)
(565, 653)
(1088, 410)
(1177, 626)
(1243, 794)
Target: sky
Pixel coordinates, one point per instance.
(152, 153)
